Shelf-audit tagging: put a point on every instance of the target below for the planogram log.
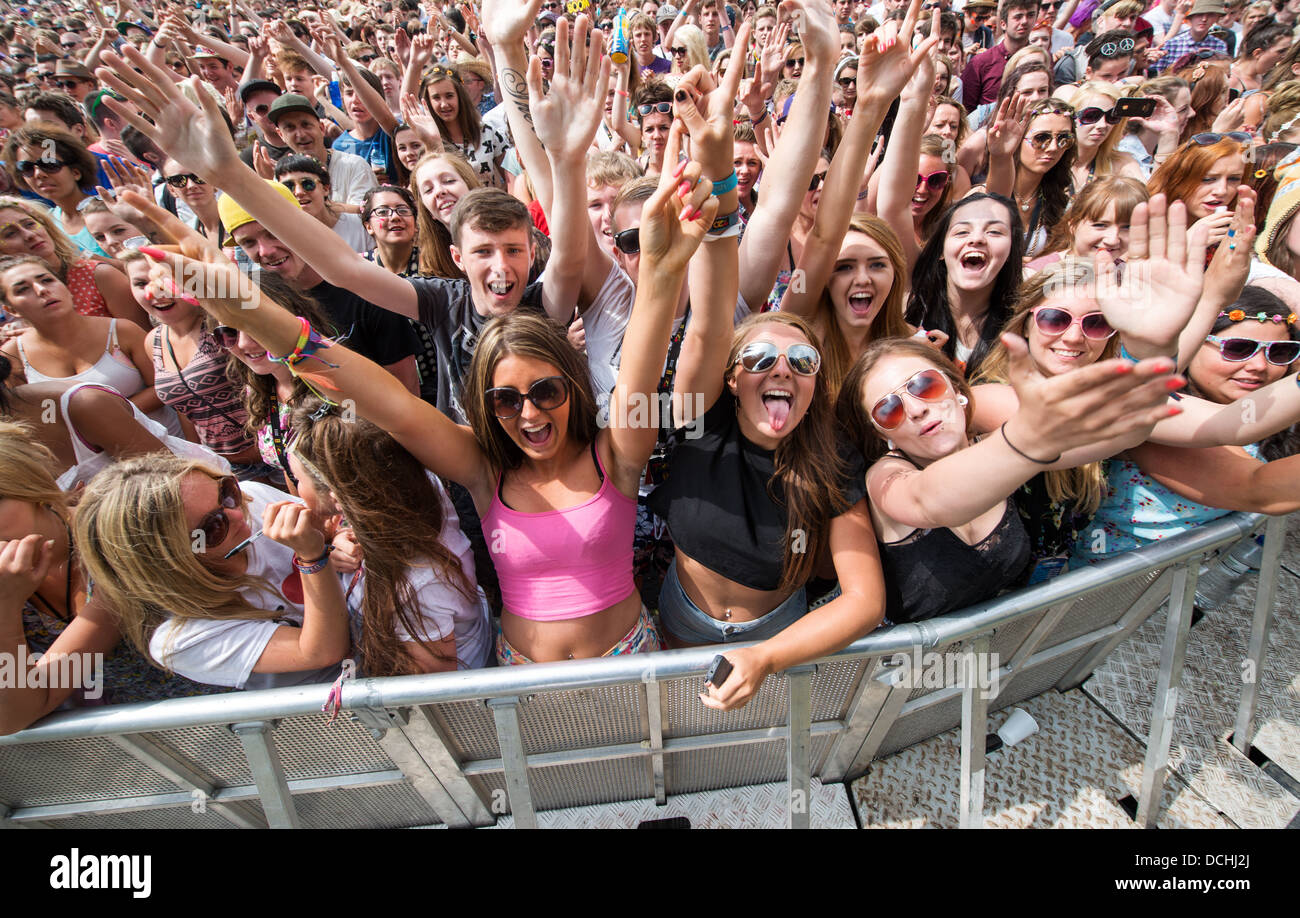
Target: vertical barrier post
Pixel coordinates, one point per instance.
(974, 727)
(1253, 666)
(509, 737)
(798, 746)
(1172, 651)
(268, 773)
(654, 708)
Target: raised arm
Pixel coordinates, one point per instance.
(374, 102)
(1056, 414)
(1224, 278)
(897, 185)
(792, 163)
(280, 31)
(197, 138)
(1006, 131)
(447, 449)
(506, 23)
(673, 222)
(1225, 477)
(566, 117)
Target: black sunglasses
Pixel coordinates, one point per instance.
(308, 184)
(795, 61)
(547, 394)
(629, 241)
(181, 179)
(1092, 114)
(216, 525)
(817, 179)
(47, 166)
(847, 82)
(1210, 138)
(69, 85)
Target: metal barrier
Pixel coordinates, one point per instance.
(463, 748)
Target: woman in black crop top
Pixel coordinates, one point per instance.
(949, 536)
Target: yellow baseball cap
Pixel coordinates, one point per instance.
(233, 216)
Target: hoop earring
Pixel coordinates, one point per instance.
(963, 400)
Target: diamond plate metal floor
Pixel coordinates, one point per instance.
(1207, 704)
(760, 806)
(1070, 774)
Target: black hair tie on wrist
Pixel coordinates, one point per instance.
(1019, 452)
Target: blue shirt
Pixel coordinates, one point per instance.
(376, 150)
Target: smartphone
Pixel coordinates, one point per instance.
(1132, 107)
(1232, 94)
(719, 670)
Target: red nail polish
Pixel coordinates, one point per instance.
(684, 189)
(1173, 384)
(155, 254)
(681, 167)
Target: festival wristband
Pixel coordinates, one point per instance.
(1125, 355)
(722, 186)
(723, 224)
(313, 567)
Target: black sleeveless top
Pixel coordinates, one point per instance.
(932, 572)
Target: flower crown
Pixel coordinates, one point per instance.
(1239, 315)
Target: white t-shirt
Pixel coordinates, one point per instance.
(224, 651)
(350, 177)
(604, 322)
(353, 232)
(444, 608)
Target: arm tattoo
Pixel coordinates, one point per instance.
(516, 87)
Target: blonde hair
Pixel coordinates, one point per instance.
(26, 469)
(139, 551)
(697, 49)
(1084, 486)
(1106, 160)
(65, 250)
(1025, 54)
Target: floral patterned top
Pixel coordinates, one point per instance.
(1137, 510)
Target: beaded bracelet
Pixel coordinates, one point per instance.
(313, 567)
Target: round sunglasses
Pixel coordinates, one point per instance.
(506, 402)
(1053, 321)
(225, 336)
(215, 526)
(761, 356)
(308, 184)
(1239, 350)
(927, 385)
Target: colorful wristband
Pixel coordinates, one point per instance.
(313, 567)
(727, 184)
(721, 225)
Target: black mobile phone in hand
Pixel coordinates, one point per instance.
(719, 670)
(1135, 107)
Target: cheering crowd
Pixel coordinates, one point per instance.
(457, 335)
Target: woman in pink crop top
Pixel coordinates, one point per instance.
(556, 490)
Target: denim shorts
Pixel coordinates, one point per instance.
(688, 623)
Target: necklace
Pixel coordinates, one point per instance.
(67, 588)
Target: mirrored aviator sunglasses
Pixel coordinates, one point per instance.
(1053, 321)
(547, 394)
(927, 385)
(761, 356)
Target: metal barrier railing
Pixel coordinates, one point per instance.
(463, 748)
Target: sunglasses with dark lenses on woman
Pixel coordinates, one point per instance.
(1239, 350)
(927, 385)
(935, 181)
(1210, 139)
(663, 108)
(216, 525)
(1045, 140)
(1053, 321)
(795, 61)
(308, 184)
(180, 180)
(761, 356)
(547, 394)
(47, 166)
(1092, 114)
(225, 336)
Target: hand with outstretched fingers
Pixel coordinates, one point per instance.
(1007, 129)
(888, 60)
(567, 113)
(194, 135)
(509, 20)
(707, 108)
(1152, 298)
(1099, 402)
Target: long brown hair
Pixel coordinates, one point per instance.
(525, 335)
(1209, 82)
(1090, 205)
(467, 117)
(855, 418)
(807, 466)
(432, 237)
(889, 321)
(1085, 486)
(397, 516)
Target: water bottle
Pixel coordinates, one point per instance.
(1225, 574)
(618, 44)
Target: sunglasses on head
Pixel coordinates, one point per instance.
(182, 179)
(1044, 140)
(795, 61)
(1239, 350)
(547, 394)
(1092, 114)
(935, 181)
(927, 385)
(308, 184)
(216, 525)
(1053, 321)
(761, 356)
(225, 336)
(1209, 139)
(629, 241)
(663, 108)
(1118, 48)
